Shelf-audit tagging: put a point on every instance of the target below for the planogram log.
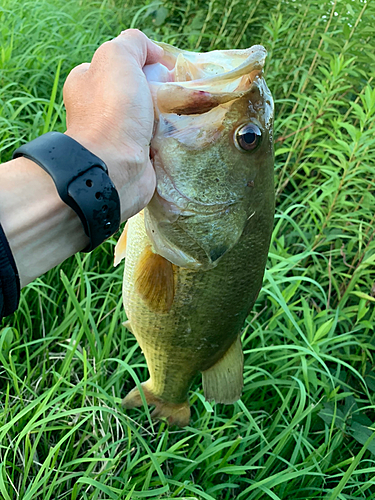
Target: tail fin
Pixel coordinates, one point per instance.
(174, 413)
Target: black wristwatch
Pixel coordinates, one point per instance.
(82, 181)
(9, 279)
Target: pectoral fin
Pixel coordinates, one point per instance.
(154, 281)
(120, 248)
(223, 382)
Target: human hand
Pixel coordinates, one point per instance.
(110, 112)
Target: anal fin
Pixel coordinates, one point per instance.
(223, 382)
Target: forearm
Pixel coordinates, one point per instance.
(110, 113)
(41, 230)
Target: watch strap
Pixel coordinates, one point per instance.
(81, 180)
(9, 279)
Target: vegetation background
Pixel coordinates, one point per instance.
(304, 428)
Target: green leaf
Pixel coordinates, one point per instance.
(99, 486)
(52, 100)
(361, 434)
(363, 295)
(323, 330)
(329, 414)
(6, 340)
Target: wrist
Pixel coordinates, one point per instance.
(128, 166)
(81, 180)
(41, 229)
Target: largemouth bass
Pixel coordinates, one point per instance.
(195, 257)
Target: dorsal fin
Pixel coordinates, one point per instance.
(154, 280)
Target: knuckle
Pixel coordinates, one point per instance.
(69, 81)
(105, 49)
(81, 68)
(133, 33)
(73, 79)
(76, 72)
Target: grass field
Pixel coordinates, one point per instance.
(305, 427)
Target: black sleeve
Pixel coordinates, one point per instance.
(9, 279)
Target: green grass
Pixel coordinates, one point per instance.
(304, 428)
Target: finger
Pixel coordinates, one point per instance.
(138, 194)
(140, 46)
(78, 70)
(74, 74)
(145, 188)
(154, 52)
(131, 47)
(71, 80)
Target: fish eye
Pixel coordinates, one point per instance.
(247, 137)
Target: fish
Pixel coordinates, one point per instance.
(195, 256)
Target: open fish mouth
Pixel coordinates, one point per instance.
(187, 83)
(220, 68)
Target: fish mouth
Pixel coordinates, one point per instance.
(220, 71)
